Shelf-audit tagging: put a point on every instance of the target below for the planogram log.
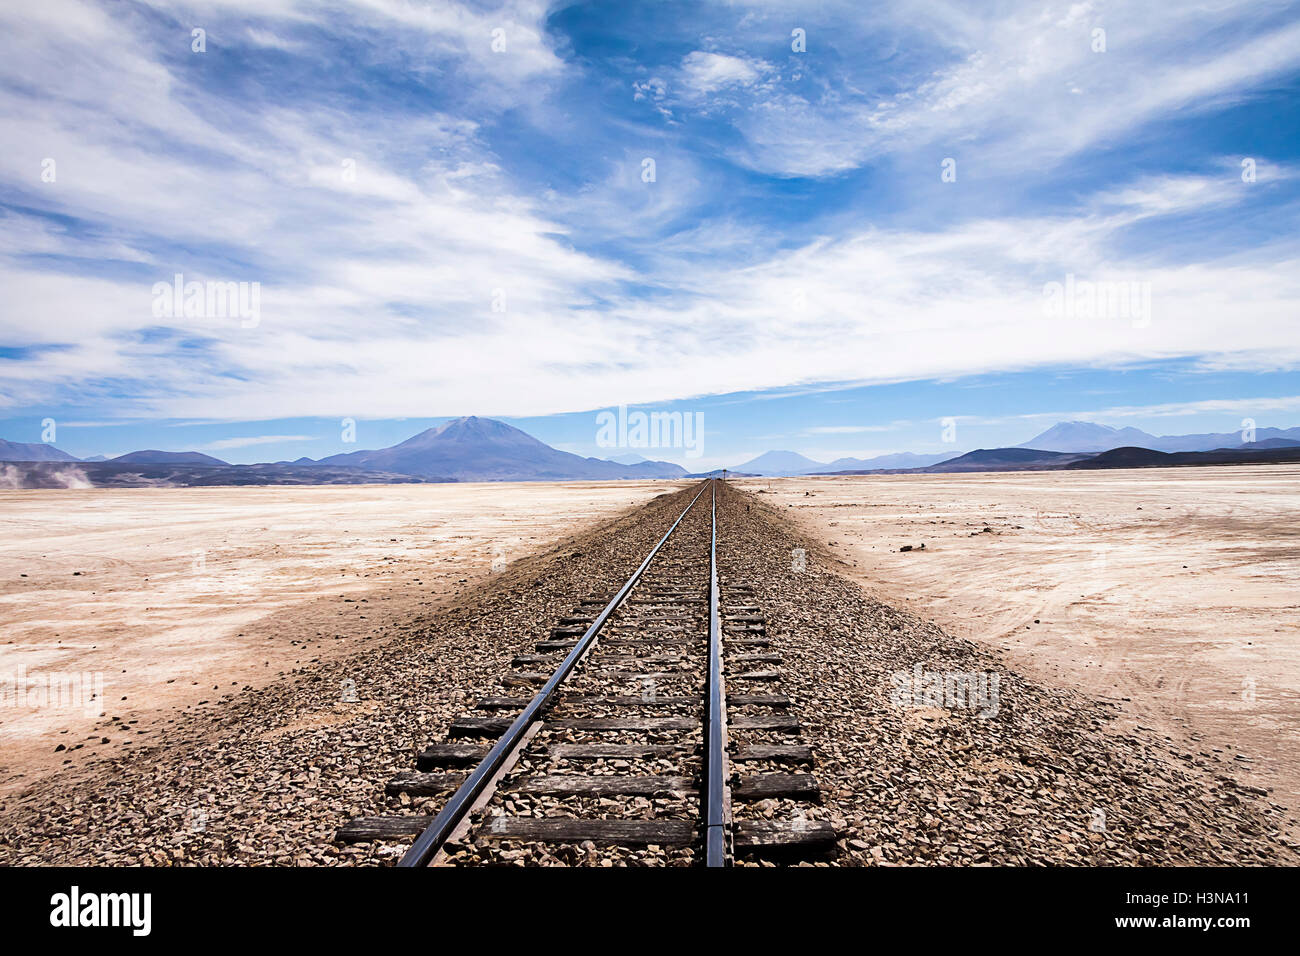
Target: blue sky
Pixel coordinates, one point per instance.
(446, 210)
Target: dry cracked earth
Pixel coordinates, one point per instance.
(267, 776)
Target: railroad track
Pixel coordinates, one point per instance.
(622, 745)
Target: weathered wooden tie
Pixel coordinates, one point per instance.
(762, 786)
(423, 784)
(605, 832)
(785, 835)
(780, 753)
(449, 755)
(758, 700)
(362, 829)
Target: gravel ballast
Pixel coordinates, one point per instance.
(1041, 781)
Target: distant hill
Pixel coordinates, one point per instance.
(1092, 437)
(1087, 437)
(1128, 457)
(900, 460)
(35, 451)
(1036, 459)
(650, 469)
(483, 449)
(722, 473)
(153, 456)
(1272, 443)
(1004, 459)
(1150, 458)
(1212, 441)
(1077, 439)
(118, 474)
(775, 464)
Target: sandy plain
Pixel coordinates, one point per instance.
(1172, 590)
(1175, 591)
(170, 598)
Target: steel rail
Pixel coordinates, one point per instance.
(715, 722)
(431, 840)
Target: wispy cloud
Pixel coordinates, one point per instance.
(249, 441)
(1254, 405)
(709, 72)
(466, 223)
(1244, 406)
(847, 429)
(1021, 87)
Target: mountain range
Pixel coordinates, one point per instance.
(34, 451)
(152, 456)
(1091, 437)
(465, 449)
(483, 449)
(775, 464)
(41, 451)
(1074, 438)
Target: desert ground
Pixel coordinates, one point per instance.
(1172, 591)
(180, 596)
(268, 758)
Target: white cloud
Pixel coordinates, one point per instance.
(1178, 194)
(1235, 406)
(251, 440)
(266, 38)
(707, 72)
(847, 429)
